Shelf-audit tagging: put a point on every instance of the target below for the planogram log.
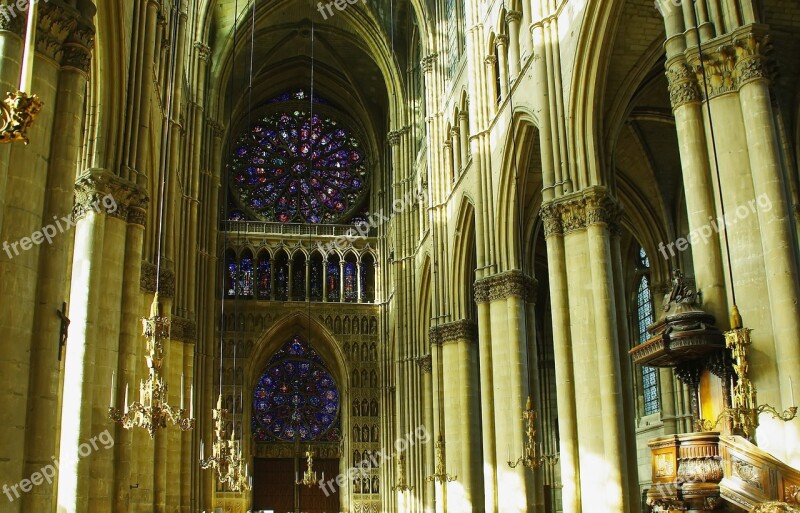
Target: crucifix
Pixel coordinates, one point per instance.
(62, 314)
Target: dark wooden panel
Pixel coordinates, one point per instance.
(274, 485)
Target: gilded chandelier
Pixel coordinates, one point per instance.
(226, 454)
(309, 475)
(745, 410)
(151, 411)
(531, 459)
(402, 484)
(441, 474)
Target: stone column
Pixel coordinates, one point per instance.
(599, 213)
(562, 344)
(698, 187)
(463, 132)
(502, 62)
(45, 370)
(458, 164)
(505, 293)
(130, 342)
(513, 19)
(777, 241)
(491, 86)
(490, 461)
(462, 417)
(428, 494)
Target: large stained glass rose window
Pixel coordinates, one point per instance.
(294, 167)
(296, 397)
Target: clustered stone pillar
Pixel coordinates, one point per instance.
(734, 86)
(585, 322)
(461, 413)
(504, 365)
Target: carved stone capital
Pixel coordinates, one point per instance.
(490, 60)
(454, 332)
(503, 285)
(683, 86)
(203, 51)
(55, 22)
(105, 192)
(77, 51)
(581, 210)
(147, 283)
(513, 17)
(551, 220)
(743, 58)
(184, 330)
(428, 62)
(11, 19)
(425, 363)
(501, 40)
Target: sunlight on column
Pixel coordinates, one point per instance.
(457, 499)
(595, 486)
(511, 490)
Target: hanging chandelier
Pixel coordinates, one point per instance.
(152, 412)
(226, 454)
(402, 484)
(531, 458)
(309, 475)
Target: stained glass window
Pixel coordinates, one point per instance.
(230, 276)
(299, 278)
(291, 166)
(246, 278)
(350, 285)
(645, 317)
(264, 276)
(296, 397)
(333, 281)
(316, 278)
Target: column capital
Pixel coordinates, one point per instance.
(513, 17)
(203, 51)
(683, 85)
(147, 282)
(506, 284)
(427, 62)
(454, 332)
(425, 363)
(733, 61)
(501, 40)
(104, 192)
(580, 210)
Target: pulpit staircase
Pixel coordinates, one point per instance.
(707, 471)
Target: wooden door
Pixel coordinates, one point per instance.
(274, 487)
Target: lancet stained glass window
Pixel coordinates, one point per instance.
(645, 317)
(292, 167)
(296, 397)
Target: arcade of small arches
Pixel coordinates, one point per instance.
(299, 274)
